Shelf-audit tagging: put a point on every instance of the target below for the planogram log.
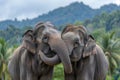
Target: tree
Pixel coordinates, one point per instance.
(4, 56)
(77, 23)
(111, 47)
(97, 34)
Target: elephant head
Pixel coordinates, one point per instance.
(79, 43)
(45, 40)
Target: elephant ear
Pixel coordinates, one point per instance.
(28, 41)
(90, 47)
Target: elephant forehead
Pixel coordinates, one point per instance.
(70, 36)
(51, 31)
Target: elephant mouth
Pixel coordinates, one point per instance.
(55, 54)
(74, 58)
(48, 51)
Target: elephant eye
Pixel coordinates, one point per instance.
(45, 39)
(76, 43)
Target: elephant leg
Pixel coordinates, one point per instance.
(85, 74)
(69, 76)
(83, 77)
(47, 76)
(13, 65)
(23, 66)
(27, 74)
(86, 69)
(31, 76)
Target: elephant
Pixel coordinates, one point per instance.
(41, 49)
(87, 58)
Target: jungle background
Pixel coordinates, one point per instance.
(102, 23)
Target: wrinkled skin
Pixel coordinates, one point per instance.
(30, 60)
(87, 58)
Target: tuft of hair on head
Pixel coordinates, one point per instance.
(28, 31)
(67, 28)
(46, 24)
(38, 25)
(81, 27)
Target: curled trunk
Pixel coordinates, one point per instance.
(50, 61)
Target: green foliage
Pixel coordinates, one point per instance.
(107, 20)
(13, 35)
(110, 44)
(98, 33)
(58, 72)
(4, 56)
(117, 74)
(77, 23)
(109, 78)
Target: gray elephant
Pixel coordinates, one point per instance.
(30, 60)
(87, 58)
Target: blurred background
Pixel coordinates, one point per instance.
(101, 18)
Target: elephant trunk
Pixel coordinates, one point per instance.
(50, 61)
(61, 49)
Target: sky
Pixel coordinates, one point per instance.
(22, 9)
